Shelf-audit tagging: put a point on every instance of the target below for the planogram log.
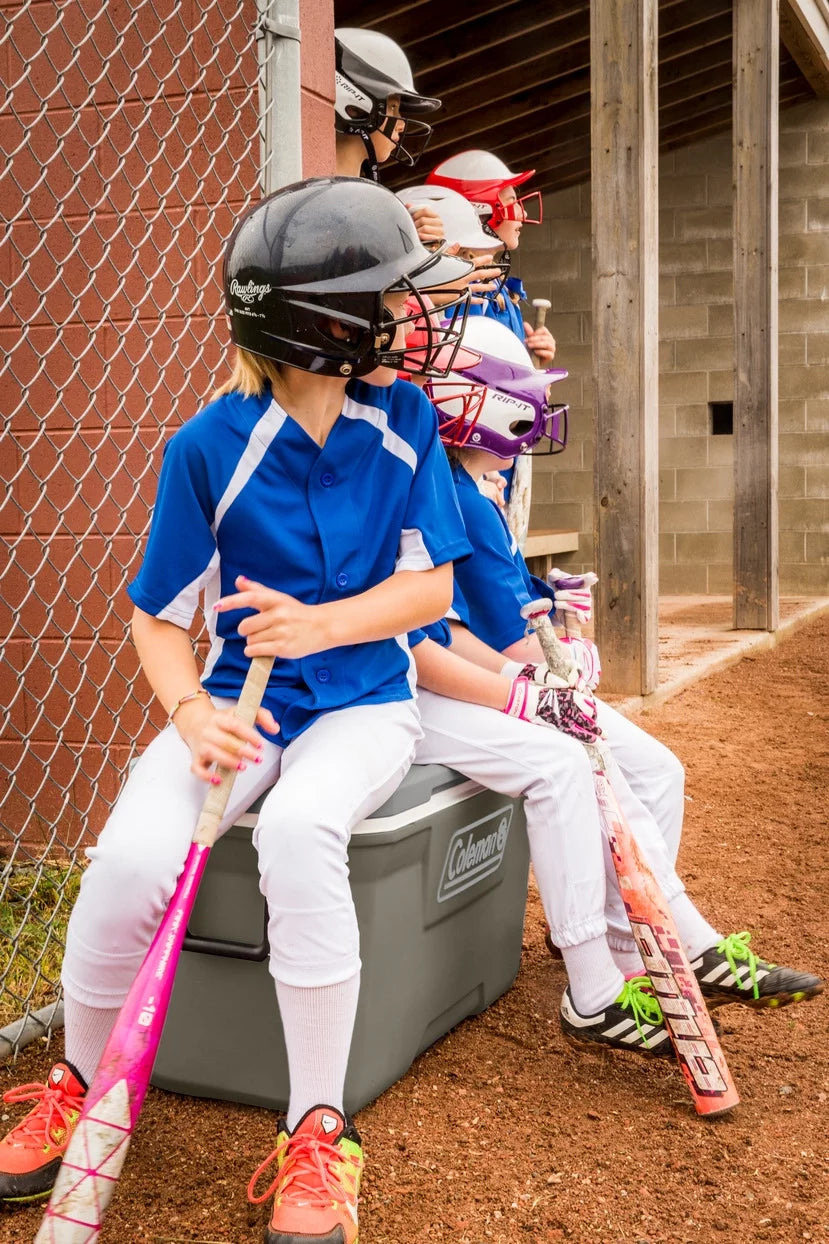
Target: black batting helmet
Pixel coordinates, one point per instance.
(325, 249)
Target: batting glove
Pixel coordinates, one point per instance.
(573, 595)
(584, 672)
(541, 674)
(560, 708)
(585, 657)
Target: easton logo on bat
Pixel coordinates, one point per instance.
(679, 1010)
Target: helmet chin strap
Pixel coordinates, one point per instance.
(369, 167)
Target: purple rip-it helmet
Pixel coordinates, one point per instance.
(501, 403)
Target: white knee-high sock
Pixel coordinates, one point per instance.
(87, 1031)
(318, 1024)
(593, 977)
(695, 933)
(629, 960)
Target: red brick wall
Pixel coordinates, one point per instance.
(130, 160)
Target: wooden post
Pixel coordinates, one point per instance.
(756, 92)
(624, 152)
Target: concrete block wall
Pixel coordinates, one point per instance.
(696, 359)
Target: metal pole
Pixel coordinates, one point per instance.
(280, 93)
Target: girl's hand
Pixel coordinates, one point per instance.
(483, 279)
(540, 341)
(281, 627)
(492, 484)
(428, 223)
(218, 737)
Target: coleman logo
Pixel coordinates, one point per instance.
(475, 852)
(249, 293)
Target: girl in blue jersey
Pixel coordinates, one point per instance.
(491, 187)
(300, 506)
(482, 717)
(489, 411)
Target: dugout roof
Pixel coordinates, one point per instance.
(514, 75)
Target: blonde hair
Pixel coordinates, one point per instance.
(251, 375)
(457, 455)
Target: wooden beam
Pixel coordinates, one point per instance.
(624, 193)
(540, 63)
(575, 171)
(523, 115)
(804, 28)
(755, 157)
(481, 33)
(399, 18)
(713, 56)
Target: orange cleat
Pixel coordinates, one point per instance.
(31, 1153)
(318, 1171)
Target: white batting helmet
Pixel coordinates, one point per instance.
(370, 67)
(461, 223)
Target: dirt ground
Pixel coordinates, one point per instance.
(503, 1133)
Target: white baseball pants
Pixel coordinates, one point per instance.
(327, 780)
(572, 864)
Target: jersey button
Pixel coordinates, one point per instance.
(327, 479)
(342, 579)
(323, 675)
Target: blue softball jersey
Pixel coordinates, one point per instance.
(494, 583)
(508, 314)
(245, 490)
(438, 631)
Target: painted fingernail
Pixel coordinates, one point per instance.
(215, 780)
(241, 768)
(257, 760)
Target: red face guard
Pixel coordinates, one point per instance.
(519, 210)
(456, 429)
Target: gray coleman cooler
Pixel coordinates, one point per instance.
(439, 877)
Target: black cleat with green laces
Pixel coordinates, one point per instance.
(633, 1022)
(731, 972)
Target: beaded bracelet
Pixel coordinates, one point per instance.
(184, 699)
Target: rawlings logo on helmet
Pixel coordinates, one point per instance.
(249, 293)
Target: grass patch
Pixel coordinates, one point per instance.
(35, 902)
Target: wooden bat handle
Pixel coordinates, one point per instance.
(537, 613)
(215, 802)
(542, 306)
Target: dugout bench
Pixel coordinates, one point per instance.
(439, 876)
(542, 548)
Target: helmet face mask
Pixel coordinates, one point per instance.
(439, 339)
(327, 251)
(502, 403)
(409, 143)
(518, 210)
(433, 346)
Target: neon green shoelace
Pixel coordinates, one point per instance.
(736, 950)
(637, 996)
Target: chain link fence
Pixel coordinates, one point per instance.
(131, 139)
